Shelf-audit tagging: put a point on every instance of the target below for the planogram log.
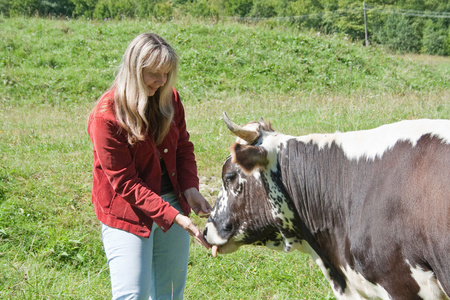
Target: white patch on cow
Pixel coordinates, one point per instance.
(221, 206)
(360, 288)
(241, 181)
(272, 142)
(257, 176)
(213, 236)
(430, 287)
(375, 142)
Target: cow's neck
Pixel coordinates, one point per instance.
(312, 180)
(283, 211)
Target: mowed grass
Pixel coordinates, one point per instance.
(53, 70)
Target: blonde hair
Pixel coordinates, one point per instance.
(139, 114)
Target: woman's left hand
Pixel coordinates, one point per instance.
(186, 223)
(198, 203)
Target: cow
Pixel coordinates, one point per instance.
(372, 207)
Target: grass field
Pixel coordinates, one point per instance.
(52, 71)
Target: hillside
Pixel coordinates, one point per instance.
(67, 61)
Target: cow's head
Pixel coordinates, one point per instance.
(244, 211)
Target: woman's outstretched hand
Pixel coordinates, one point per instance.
(201, 207)
(186, 223)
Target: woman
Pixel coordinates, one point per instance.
(144, 175)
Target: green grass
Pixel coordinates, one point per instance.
(51, 72)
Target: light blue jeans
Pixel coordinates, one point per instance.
(153, 268)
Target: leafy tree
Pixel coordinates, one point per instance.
(447, 43)
(201, 8)
(163, 10)
(240, 8)
(306, 13)
(435, 38)
(114, 9)
(264, 9)
(83, 8)
(25, 7)
(399, 35)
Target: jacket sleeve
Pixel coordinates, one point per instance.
(186, 164)
(117, 162)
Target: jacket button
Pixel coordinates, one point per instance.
(166, 150)
(173, 174)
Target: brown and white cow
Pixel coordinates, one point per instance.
(372, 207)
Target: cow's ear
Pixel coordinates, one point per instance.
(249, 157)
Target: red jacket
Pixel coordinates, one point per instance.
(127, 179)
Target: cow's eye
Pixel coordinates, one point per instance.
(228, 227)
(230, 176)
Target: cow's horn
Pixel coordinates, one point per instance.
(246, 134)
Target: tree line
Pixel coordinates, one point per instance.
(414, 26)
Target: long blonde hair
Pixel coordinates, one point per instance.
(139, 114)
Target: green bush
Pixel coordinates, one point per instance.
(36, 7)
(114, 9)
(435, 38)
(202, 8)
(163, 11)
(447, 43)
(14, 8)
(399, 35)
(264, 9)
(239, 8)
(84, 8)
(305, 16)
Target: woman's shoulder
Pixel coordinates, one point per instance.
(176, 100)
(175, 95)
(104, 108)
(102, 120)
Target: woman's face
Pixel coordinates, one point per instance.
(154, 79)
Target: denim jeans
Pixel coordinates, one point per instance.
(153, 268)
